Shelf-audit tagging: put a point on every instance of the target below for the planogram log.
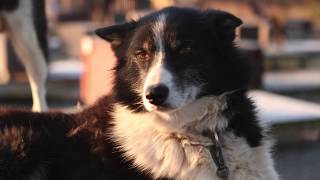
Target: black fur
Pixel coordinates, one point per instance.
(79, 146)
(242, 118)
(60, 146)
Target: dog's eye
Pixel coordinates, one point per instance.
(141, 54)
(184, 47)
(185, 50)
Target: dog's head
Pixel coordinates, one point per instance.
(174, 56)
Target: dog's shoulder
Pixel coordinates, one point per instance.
(26, 141)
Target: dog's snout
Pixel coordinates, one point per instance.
(157, 94)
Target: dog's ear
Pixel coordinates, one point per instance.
(116, 34)
(223, 23)
(234, 94)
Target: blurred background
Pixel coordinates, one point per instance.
(282, 38)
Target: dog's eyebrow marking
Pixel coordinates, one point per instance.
(158, 31)
(157, 72)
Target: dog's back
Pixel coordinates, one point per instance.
(31, 144)
(61, 146)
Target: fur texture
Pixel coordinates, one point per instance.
(127, 136)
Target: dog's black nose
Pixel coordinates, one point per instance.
(158, 94)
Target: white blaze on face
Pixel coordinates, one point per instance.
(158, 74)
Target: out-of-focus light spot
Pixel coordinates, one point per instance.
(86, 45)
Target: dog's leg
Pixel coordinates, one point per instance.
(4, 71)
(24, 38)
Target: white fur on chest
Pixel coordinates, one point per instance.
(164, 151)
(157, 149)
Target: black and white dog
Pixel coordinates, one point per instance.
(176, 111)
(26, 24)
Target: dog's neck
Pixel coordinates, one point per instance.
(171, 144)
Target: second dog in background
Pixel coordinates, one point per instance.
(26, 26)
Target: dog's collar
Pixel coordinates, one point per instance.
(216, 154)
(214, 147)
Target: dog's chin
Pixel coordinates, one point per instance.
(166, 108)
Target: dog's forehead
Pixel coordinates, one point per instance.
(170, 24)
